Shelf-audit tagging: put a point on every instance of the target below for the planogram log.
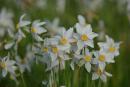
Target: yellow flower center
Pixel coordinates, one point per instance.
(102, 58)
(55, 50)
(84, 37)
(112, 49)
(45, 49)
(34, 30)
(87, 58)
(63, 41)
(2, 65)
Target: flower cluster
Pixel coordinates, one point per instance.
(54, 45)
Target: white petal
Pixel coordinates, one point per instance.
(4, 72)
(9, 45)
(88, 67)
(24, 23)
(108, 74)
(81, 20)
(69, 33)
(95, 76)
(80, 44)
(37, 38)
(92, 35)
(79, 30)
(90, 43)
(72, 65)
(102, 66)
(40, 30)
(103, 78)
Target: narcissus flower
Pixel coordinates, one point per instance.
(101, 58)
(88, 59)
(65, 38)
(7, 66)
(21, 24)
(110, 46)
(85, 36)
(101, 74)
(23, 64)
(37, 29)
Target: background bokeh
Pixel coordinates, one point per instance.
(110, 17)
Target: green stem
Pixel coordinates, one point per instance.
(87, 80)
(23, 80)
(92, 83)
(99, 83)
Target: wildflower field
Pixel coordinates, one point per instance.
(64, 43)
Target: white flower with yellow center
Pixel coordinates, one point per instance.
(37, 29)
(65, 38)
(85, 37)
(101, 74)
(7, 66)
(88, 59)
(101, 58)
(110, 46)
(22, 23)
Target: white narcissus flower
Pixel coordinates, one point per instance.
(88, 59)
(84, 35)
(21, 24)
(59, 62)
(57, 56)
(110, 46)
(65, 38)
(75, 60)
(23, 64)
(101, 58)
(7, 66)
(101, 74)
(6, 22)
(37, 29)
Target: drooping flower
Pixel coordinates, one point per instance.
(101, 74)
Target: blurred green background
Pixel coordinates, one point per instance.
(108, 16)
